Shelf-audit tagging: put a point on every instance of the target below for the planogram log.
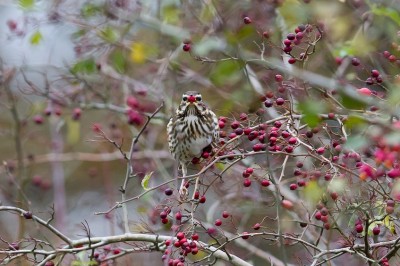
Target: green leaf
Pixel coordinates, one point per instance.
(226, 73)
(146, 180)
(310, 110)
(119, 61)
(36, 38)
(387, 12)
(73, 131)
(351, 102)
(26, 4)
(108, 34)
(171, 14)
(354, 121)
(86, 66)
(89, 10)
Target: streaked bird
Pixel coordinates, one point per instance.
(193, 128)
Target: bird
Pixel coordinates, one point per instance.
(193, 127)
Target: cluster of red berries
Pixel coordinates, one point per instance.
(101, 254)
(134, 117)
(392, 58)
(185, 247)
(294, 39)
(39, 119)
(322, 214)
(375, 77)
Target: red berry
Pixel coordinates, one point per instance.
(265, 183)
(292, 60)
(116, 251)
(287, 42)
(256, 226)
(196, 195)
(247, 20)
(243, 117)
(292, 140)
(218, 222)
(266, 34)
(392, 58)
(221, 124)
(355, 61)
(38, 119)
(291, 36)
(12, 25)
(186, 47)
(293, 186)
(278, 78)
(28, 215)
(334, 195)
(375, 73)
(164, 221)
(289, 149)
(301, 183)
(249, 170)
(359, 228)
(180, 235)
(247, 182)
(318, 215)
(178, 216)
(320, 150)
(390, 203)
(327, 226)
(376, 230)
(195, 237)
(132, 102)
(225, 214)
(202, 199)
(245, 235)
(280, 101)
(268, 103)
(235, 124)
(285, 134)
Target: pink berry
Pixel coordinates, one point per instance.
(320, 150)
(257, 226)
(38, 119)
(318, 215)
(287, 204)
(247, 20)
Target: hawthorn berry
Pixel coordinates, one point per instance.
(225, 214)
(247, 20)
(247, 182)
(280, 101)
(265, 183)
(186, 47)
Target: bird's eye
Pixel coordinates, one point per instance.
(198, 98)
(184, 98)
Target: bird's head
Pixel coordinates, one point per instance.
(192, 103)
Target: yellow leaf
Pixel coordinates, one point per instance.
(389, 224)
(146, 180)
(138, 52)
(313, 192)
(73, 131)
(36, 38)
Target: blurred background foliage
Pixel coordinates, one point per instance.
(128, 48)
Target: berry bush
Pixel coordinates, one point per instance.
(307, 167)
